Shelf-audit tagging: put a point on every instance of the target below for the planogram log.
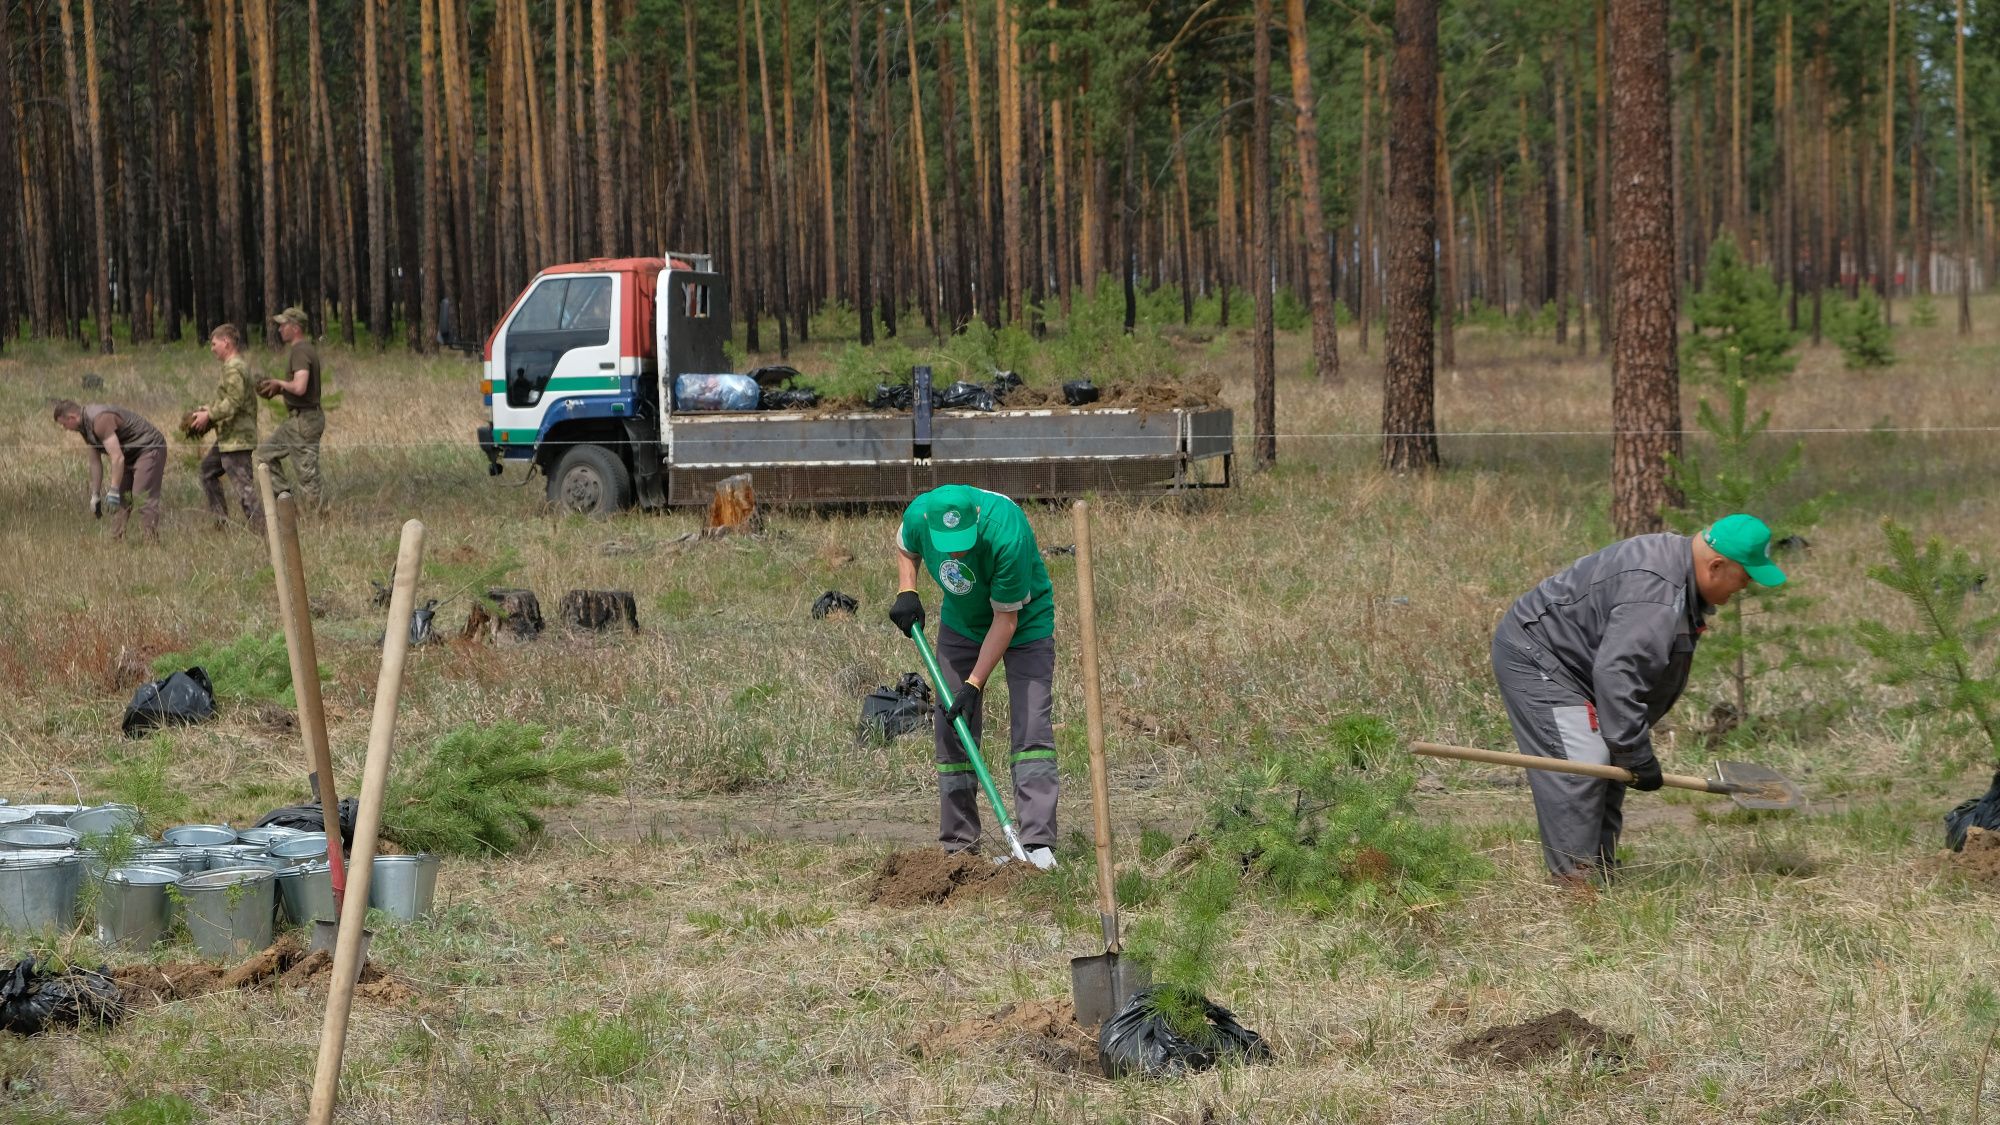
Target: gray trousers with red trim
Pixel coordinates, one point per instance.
(1031, 672)
(1580, 817)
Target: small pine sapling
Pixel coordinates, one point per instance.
(1740, 309)
(1942, 656)
(1740, 473)
(481, 790)
(1857, 326)
(1923, 311)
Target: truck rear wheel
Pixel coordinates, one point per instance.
(590, 480)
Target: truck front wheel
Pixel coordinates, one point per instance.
(590, 480)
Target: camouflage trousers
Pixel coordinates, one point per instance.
(236, 466)
(292, 452)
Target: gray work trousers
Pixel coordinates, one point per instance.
(1580, 817)
(1031, 670)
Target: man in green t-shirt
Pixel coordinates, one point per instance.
(292, 450)
(998, 608)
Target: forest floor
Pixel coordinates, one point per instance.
(702, 947)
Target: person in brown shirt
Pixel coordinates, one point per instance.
(138, 455)
(292, 450)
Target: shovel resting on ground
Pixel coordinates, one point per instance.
(1750, 785)
(965, 739)
(1100, 984)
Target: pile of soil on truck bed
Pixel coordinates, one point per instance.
(1517, 1045)
(1045, 1030)
(933, 877)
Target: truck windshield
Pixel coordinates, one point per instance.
(562, 313)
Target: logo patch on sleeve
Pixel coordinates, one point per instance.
(953, 576)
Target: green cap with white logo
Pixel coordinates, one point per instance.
(953, 517)
(1746, 540)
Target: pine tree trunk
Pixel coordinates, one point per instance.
(1185, 230)
(429, 260)
(958, 283)
(928, 275)
(1964, 173)
(829, 230)
(1319, 265)
(1579, 276)
(1920, 195)
(887, 261)
(600, 81)
(1225, 210)
(10, 185)
(1606, 307)
(1645, 377)
(774, 187)
(1886, 282)
(1265, 408)
(1006, 52)
(1065, 249)
(1364, 272)
(988, 271)
(1563, 277)
(260, 37)
(378, 209)
(1825, 269)
(858, 204)
(1447, 295)
(563, 183)
(99, 222)
(1409, 411)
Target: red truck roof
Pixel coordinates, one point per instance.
(638, 318)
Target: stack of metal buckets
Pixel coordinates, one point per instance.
(232, 887)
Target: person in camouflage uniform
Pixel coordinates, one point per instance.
(232, 414)
(292, 450)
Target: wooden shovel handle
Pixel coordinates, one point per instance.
(1562, 765)
(1093, 715)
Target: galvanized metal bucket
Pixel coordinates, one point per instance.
(133, 908)
(38, 836)
(106, 820)
(242, 855)
(185, 861)
(267, 835)
(403, 886)
(11, 815)
(38, 891)
(199, 835)
(51, 814)
(230, 912)
(305, 893)
(302, 848)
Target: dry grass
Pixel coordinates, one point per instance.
(1812, 970)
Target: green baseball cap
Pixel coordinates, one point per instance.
(1746, 540)
(953, 517)
(293, 315)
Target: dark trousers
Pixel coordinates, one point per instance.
(1579, 817)
(1031, 671)
(236, 466)
(145, 469)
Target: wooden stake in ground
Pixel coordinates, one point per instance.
(374, 782)
(281, 528)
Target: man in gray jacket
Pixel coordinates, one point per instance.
(1590, 660)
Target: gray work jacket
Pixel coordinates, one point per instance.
(1620, 627)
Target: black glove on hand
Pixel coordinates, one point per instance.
(907, 612)
(1646, 775)
(966, 698)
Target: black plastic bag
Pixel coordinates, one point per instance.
(1979, 812)
(307, 818)
(890, 396)
(422, 630)
(833, 601)
(789, 398)
(1005, 383)
(966, 396)
(1079, 392)
(1139, 1040)
(34, 999)
(773, 375)
(181, 699)
(889, 711)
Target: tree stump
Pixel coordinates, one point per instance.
(519, 614)
(478, 623)
(598, 610)
(734, 509)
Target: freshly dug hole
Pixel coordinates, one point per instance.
(1516, 1045)
(930, 876)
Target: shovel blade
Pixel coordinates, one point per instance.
(1102, 984)
(326, 935)
(1761, 787)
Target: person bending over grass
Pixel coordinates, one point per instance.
(1591, 659)
(138, 455)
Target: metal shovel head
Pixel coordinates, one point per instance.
(326, 935)
(1759, 787)
(1102, 984)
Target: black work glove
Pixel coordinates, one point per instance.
(907, 612)
(964, 701)
(1646, 775)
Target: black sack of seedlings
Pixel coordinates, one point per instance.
(1141, 1040)
(774, 374)
(1079, 392)
(966, 396)
(307, 818)
(422, 624)
(788, 398)
(1979, 812)
(181, 699)
(890, 396)
(1005, 383)
(890, 711)
(833, 601)
(34, 999)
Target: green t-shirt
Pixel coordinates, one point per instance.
(1003, 571)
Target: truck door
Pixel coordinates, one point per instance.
(561, 341)
(691, 314)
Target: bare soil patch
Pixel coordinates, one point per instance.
(1045, 1030)
(929, 876)
(1979, 862)
(1519, 1044)
(284, 964)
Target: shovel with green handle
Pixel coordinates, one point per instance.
(965, 739)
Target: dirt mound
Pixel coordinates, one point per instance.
(931, 876)
(1517, 1045)
(1045, 1030)
(286, 963)
(1979, 863)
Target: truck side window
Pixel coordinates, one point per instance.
(697, 298)
(563, 313)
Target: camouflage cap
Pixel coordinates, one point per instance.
(293, 315)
